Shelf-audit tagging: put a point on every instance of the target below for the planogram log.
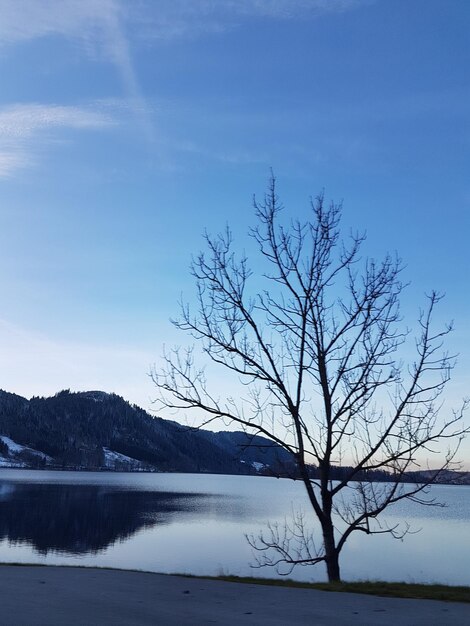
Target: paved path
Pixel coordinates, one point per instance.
(64, 596)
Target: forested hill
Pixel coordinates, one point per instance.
(93, 429)
(96, 430)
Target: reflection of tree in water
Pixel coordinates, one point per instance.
(81, 519)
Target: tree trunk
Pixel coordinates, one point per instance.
(332, 568)
(331, 553)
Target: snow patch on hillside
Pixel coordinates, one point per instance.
(112, 459)
(12, 445)
(11, 463)
(16, 448)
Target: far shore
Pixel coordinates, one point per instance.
(108, 470)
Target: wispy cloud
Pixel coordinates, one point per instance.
(105, 29)
(97, 24)
(183, 18)
(23, 20)
(93, 21)
(23, 125)
(100, 24)
(23, 120)
(11, 161)
(286, 9)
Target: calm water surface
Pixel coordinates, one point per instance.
(196, 523)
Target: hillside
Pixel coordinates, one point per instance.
(96, 430)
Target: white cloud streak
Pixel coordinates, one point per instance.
(183, 18)
(24, 120)
(103, 28)
(101, 24)
(282, 9)
(23, 125)
(23, 20)
(97, 24)
(94, 20)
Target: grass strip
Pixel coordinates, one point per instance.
(445, 593)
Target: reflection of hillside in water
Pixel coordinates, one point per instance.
(80, 519)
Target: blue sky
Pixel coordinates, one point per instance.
(127, 128)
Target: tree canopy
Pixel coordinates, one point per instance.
(319, 352)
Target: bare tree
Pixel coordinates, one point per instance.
(319, 353)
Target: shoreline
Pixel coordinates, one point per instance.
(55, 595)
(107, 470)
(379, 588)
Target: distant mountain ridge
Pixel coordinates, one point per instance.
(97, 430)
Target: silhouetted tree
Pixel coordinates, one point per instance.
(318, 351)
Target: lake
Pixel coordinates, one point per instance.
(196, 524)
